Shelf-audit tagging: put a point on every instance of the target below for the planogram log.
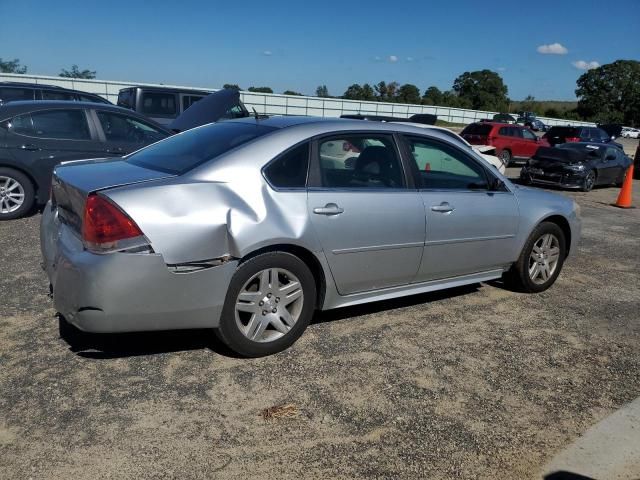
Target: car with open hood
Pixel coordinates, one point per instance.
(577, 165)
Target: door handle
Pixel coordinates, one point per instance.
(29, 147)
(444, 207)
(328, 209)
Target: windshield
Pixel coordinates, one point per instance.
(180, 153)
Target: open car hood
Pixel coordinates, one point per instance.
(210, 109)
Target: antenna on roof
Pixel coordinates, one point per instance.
(255, 114)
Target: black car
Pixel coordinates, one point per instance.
(36, 136)
(17, 91)
(558, 135)
(577, 165)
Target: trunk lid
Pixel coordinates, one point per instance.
(74, 181)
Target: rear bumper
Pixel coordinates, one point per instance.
(127, 292)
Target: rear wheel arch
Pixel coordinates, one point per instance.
(36, 186)
(310, 260)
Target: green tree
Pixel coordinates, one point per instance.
(482, 90)
(552, 112)
(432, 96)
(353, 92)
(322, 91)
(386, 92)
(231, 86)
(75, 72)
(528, 104)
(408, 93)
(611, 93)
(291, 92)
(260, 89)
(368, 93)
(12, 66)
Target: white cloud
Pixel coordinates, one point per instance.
(553, 49)
(377, 58)
(409, 59)
(393, 58)
(582, 65)
(267, 53)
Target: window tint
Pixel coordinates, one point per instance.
(601, 134)
(57, 124)
(122, 128)
(444, 167)
(528, 134)
(290, 170)
(234, 112)
(355, 161)
(477, 129)
(126, 98)
(504, 131)
(185, 151)
(57, 95)
(155, 103)
(8, 94)
(188, 100)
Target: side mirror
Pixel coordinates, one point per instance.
(496, 185)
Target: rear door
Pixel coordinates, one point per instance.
(122, 134)
(470, 228)
(369, 220)
(529, 142)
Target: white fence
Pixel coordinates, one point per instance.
(275, 104)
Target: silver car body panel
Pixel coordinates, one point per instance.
(386, 244)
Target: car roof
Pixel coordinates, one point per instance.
(169, 90)
(31, 85)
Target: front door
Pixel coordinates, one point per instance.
(470, 228)
(370, 224)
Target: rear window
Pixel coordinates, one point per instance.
(183, 152)
(9, 94)
(126, 98)
(154, 103)
(477, 129)
(562, 132)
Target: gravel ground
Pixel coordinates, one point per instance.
(476, 382)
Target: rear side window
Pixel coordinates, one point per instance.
(155, 103)
(477, 129)
(504, 131)
(57, 95)
(290, 169)
(188, 100)
(8, 94)
(562, 132)
(180, 153)
(55, 124)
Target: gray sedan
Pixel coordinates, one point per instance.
(249, 226)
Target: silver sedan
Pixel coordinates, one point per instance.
(249, 226)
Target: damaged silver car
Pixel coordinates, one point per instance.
(249, 226)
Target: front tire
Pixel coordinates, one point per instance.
(17, 194)
(505, 157)
(589, 181)
(540, 261)
(269, 303)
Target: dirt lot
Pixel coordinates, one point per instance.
(477, 382)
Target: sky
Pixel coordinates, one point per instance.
(539, 48)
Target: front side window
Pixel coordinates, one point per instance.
(528, 135)
(122, 128)
(359, 161)
(156, 103)
(445, 167)
(290, 169)
(57, 95)
(56, 124)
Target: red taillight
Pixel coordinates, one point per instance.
(572, 139)
(104, 225)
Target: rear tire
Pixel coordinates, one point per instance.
(540, 261)
(17, 194)
(270, 301)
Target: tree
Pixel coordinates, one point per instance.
(231, 86)
(353, 92)
(322, 91)
(368, 93)
(291, 92)
(432, 96)
(260, 89)
(528, 104)
(75, 72)
(12, 66)
(386, 92)
(611, 93)
(408, 93)
(552, 113)
(482, 90)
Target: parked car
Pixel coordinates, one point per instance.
(636, 163)
(614, 130)
(577, 165)
(628, 132)
(512, 142)
(17, 91)
(558, 135)
(503, 118)
(529, 120)
(241, 226)
(35, 136)
(164, 105)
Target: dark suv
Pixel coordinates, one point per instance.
(165, 104)
(558, 135)
(16, 91)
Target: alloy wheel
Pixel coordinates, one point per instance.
(11, 194)
(544, 257)
(269, 305)
(589, 181)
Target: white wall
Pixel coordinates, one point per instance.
(275, 104)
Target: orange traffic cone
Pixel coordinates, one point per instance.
(624, 199)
